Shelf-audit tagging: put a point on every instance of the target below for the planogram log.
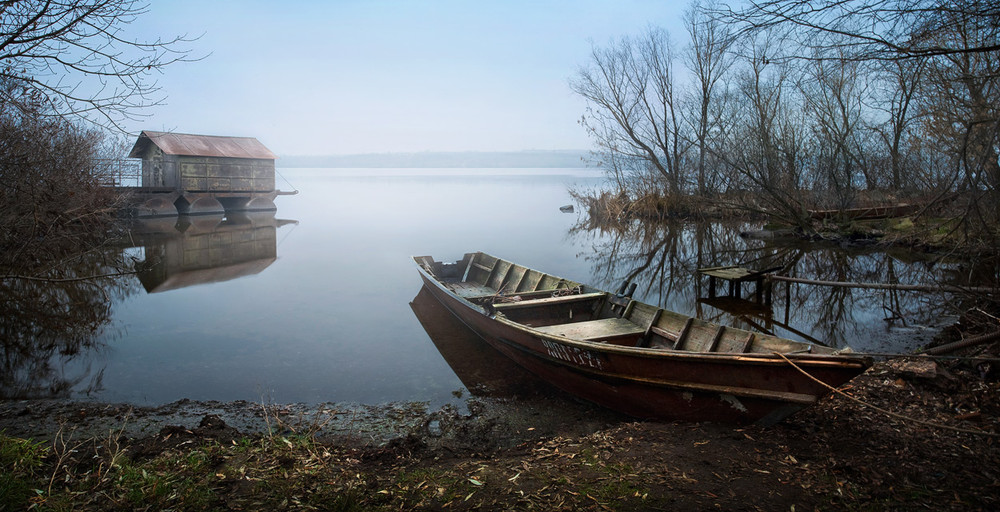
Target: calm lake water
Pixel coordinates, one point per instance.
(319, 310)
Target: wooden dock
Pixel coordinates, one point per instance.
(736, 275)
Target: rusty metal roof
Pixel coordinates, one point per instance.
(201, 145)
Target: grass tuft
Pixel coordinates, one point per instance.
(20, 465)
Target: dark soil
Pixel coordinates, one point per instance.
(557, 454)
(907, 434)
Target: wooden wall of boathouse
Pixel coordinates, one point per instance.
(203, 174)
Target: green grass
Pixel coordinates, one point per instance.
(20, 465)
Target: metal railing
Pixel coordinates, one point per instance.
(119, 172)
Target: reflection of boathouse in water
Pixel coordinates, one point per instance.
(203, 174)
(187, 251)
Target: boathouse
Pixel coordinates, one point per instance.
(204, 174)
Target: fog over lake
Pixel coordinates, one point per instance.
(312, 304)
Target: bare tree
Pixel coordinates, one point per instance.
(796, 105)
(902, 80)
(961, 113)
(52, 205)
(633, 105)
(833, 94)
(767, 141)
(709, 59)
(68, 77)
(73, 56)
(866, 29)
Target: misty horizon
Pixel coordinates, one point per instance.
(529, 158)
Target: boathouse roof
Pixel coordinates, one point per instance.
(201, 145)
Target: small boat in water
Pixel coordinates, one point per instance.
(633, 357)
(868, 212)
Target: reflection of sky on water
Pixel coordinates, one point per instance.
(330, 318)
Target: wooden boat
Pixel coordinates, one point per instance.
(868, 212)
(632, 357)
(482, 370)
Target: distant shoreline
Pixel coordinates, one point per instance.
(574, 158)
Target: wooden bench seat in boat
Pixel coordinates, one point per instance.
(547, 301)
(594, 329)
(469, 290)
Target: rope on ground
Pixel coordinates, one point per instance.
(888, 286)
(885, 411)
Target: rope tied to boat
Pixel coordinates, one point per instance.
(562, 292)
(500, 297)
(885, 411)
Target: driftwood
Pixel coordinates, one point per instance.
(951, 347)
(890, 286)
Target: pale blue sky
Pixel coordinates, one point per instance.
(344, 77)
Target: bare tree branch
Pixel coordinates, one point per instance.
(865, 29)
(72, 54)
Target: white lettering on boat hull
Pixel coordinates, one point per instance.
(572, 355)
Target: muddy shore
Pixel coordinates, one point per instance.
(906, 434)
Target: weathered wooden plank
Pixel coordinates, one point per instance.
(530, 281)
(594, 329)
(683, 335)
(729, 273)
(735, 273)
(649, 327)
(498, 274)
(665, 334)
(514, 278)
(547, 301)
(628, 309)
(715, 339)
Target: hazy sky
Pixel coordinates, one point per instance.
(352, 76)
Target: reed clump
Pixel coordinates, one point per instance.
(616, 207)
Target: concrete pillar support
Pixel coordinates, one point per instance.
(199, 204)
(157, 206)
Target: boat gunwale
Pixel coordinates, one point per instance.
(773, 359)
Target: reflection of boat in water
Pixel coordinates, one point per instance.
(482, 370)
(187, 251)
(630, 356)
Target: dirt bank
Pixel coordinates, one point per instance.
(555, 453)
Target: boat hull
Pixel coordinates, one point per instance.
(660, 384)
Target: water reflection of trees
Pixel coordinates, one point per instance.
(663, 260)
(50, 322)
(57, 318)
